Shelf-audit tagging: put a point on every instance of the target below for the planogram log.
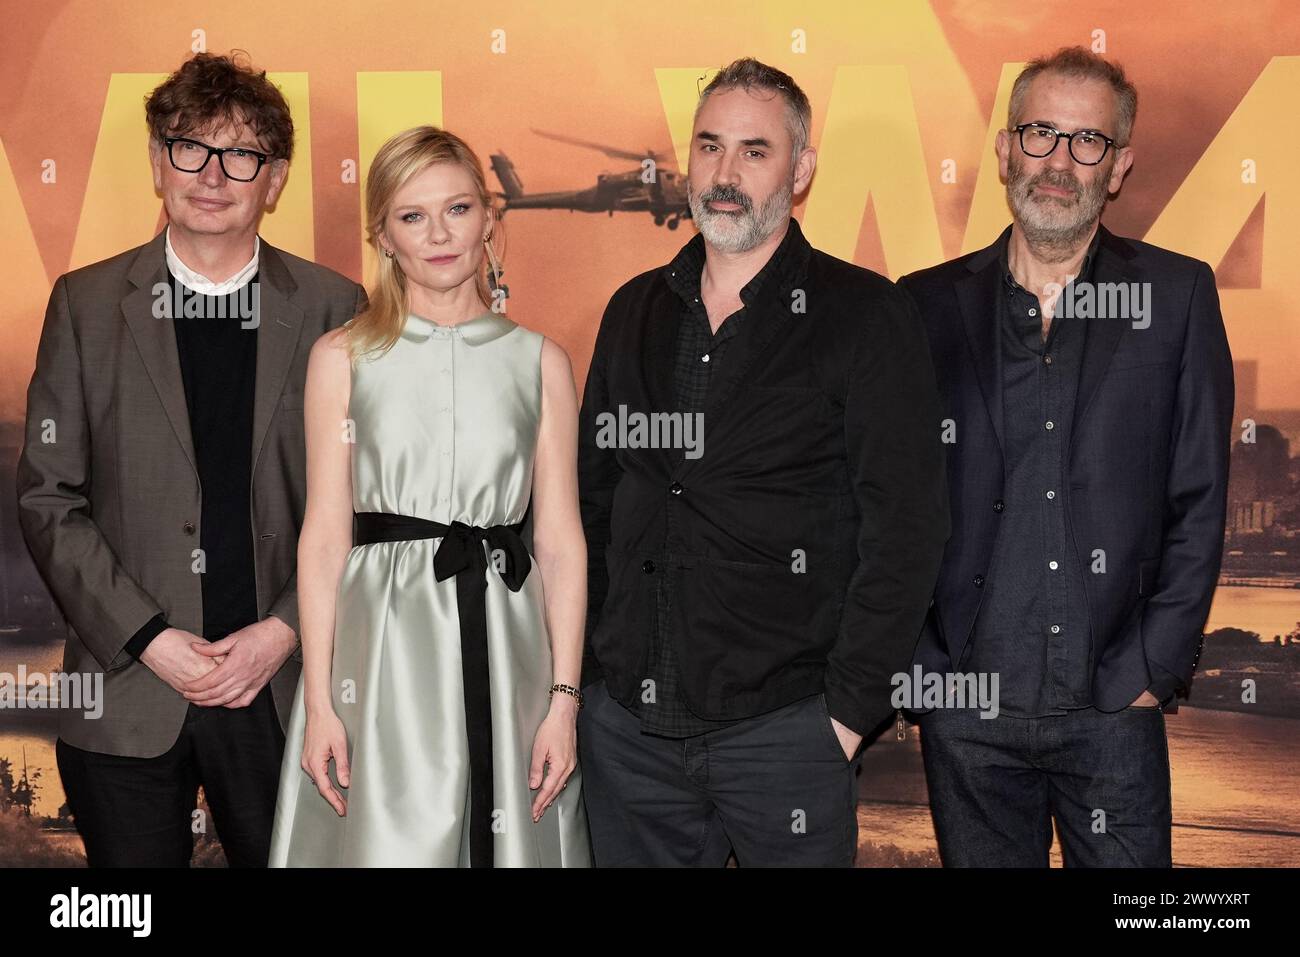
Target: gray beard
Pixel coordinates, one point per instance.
(741, 232)
(1054, 238)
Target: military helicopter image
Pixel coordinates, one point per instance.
(648, 189)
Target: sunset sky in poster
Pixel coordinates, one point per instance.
(599, 72)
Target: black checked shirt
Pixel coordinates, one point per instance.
(699, 353)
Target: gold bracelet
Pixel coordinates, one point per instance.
(569, 690)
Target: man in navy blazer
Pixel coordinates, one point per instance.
(1087, 390)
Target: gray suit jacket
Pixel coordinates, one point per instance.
(108, 488)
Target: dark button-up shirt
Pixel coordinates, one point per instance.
(699, 352)
(1033, 628)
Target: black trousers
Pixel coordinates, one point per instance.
(997, 783)
(776, 788)
(138, 812)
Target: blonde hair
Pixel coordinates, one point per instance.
(408, 154)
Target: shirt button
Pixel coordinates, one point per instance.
(1049, 425)
(978, 581)
(998, 506)
(675, 488)
(1033, 312)
(1051, 494)
(189, 528)
(648, 567)
(1056, 629)
(705, 357)
(1052, 565)
(1047, 360)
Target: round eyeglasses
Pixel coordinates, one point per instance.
(238, 163)
(1086, 146)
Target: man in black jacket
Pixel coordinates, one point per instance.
(763, 495)
(1087, 389)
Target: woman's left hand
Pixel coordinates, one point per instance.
(555, 753)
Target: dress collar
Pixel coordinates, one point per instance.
(201, 283)
(484, 327)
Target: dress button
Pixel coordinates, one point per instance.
(1051, 494)
(648, 567)
(978, 581)
(1033, 312)
(1049, 425)
(189, 528)
(998, 506)
(1047, 360)
(1053, 566)
(675, 488)
(705, 357)
(1056, 629)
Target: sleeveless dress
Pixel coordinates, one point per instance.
(445, 430)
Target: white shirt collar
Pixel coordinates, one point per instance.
(201, 283)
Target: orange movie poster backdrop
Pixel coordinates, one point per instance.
(906, 97)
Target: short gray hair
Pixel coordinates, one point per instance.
(1080, 63)
(748, 73)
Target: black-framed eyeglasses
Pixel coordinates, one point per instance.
(191, 156)
(1086, 146)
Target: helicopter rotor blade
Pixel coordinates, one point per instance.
(612, 152)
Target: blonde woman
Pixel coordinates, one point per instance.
(439, 677)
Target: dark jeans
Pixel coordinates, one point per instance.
(137, 812)
(995, 785)
(776, 788)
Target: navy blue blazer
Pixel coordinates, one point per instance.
(1146, 460)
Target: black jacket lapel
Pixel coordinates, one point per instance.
(977, 296)
(1102, 333)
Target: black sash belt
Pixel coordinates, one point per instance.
(460, 555)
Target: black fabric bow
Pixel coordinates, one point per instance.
(460, 555)
(462, 550)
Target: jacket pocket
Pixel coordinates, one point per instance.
(746, 624)
(623, 632)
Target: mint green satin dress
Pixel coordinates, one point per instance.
(445, 429)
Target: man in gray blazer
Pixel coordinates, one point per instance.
(162, 483)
